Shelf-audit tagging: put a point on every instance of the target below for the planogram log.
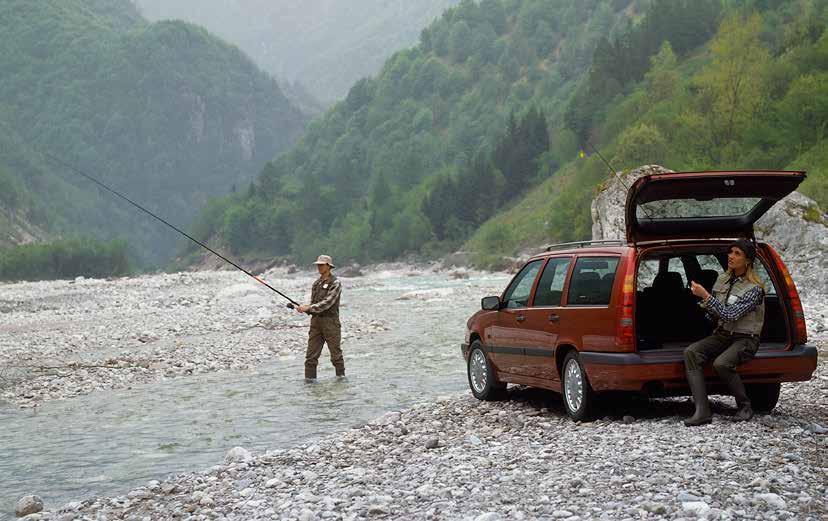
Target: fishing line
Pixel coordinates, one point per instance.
(185, 234)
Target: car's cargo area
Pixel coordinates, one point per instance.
(668, 315)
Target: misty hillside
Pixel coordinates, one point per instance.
(471, 139)
(164, 112)
(375, 177)
(326, 45)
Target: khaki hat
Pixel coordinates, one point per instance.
(325, 259)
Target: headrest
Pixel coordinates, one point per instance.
(668, 280)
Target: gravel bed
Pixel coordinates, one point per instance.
(459, 458)
(61, 339)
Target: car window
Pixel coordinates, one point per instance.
(762, 271)
(709, 261)
(647, 271)
(592, 280)
(675, 264)
(517, 296)
(550, 287)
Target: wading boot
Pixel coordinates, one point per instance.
(702, 415)
(310, 375)
(737, 389)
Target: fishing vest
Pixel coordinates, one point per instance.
(751, 323)
(320, 291)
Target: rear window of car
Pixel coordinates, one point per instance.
(551, 284)
(691, 208)
(592, 281)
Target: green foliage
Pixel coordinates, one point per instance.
(164, 112)
(447, 134)
(754, 97)
(64, 259)
(641, 144)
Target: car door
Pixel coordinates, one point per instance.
(505, 336)
(588, 316)
(543, 320)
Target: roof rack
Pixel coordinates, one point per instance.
(583, 244)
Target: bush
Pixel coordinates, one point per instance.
(65, 259)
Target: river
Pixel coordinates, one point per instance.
(107, 442)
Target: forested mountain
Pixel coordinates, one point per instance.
(326, 45)
(369, 179)
(164, 112)
(474, 136)
(754, 96)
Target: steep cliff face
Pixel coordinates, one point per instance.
(164, 112)
(796, 227)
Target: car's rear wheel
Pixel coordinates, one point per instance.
(482, 381)
(578, 397)
(763, 397)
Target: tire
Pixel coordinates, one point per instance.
(482, 380)
(578, 397)
(763, 397)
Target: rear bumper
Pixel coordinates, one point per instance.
(665, 369)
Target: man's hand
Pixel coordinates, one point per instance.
(698, 290)
(303, 308)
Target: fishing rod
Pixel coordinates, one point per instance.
(617, 175)
(292, 303)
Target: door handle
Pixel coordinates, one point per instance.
(554, 318)
(520, 318)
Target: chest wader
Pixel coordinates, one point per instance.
(730, 345)
(325, 328)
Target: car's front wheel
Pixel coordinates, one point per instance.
(578, 397)
(482, 381)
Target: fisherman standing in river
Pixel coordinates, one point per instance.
(325, 326)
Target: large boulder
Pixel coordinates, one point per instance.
(796, 227)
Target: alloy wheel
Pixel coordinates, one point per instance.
(478, 372)
(574, 385)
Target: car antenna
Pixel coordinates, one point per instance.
(292, 303)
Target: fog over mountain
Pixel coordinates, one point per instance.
(326, 45)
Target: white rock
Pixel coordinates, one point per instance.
(237, 455)
(698, 508)
(28, 505)
(772, 500)
(489, 516)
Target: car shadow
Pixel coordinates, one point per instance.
(614, 406)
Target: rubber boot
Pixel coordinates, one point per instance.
(310, 374)
(737, 389)
(340, 371)
(702, 415)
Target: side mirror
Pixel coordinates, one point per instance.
(490, 303)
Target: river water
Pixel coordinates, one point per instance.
(106, 443)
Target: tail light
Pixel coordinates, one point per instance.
(800, 330)
(625, 316)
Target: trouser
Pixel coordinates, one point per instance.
(727, 352)
(324, 330)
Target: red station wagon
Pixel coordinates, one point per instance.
(583, 318)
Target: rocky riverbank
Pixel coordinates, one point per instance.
(523, 458)
(60, 339)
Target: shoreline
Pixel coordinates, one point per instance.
(459, 458)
